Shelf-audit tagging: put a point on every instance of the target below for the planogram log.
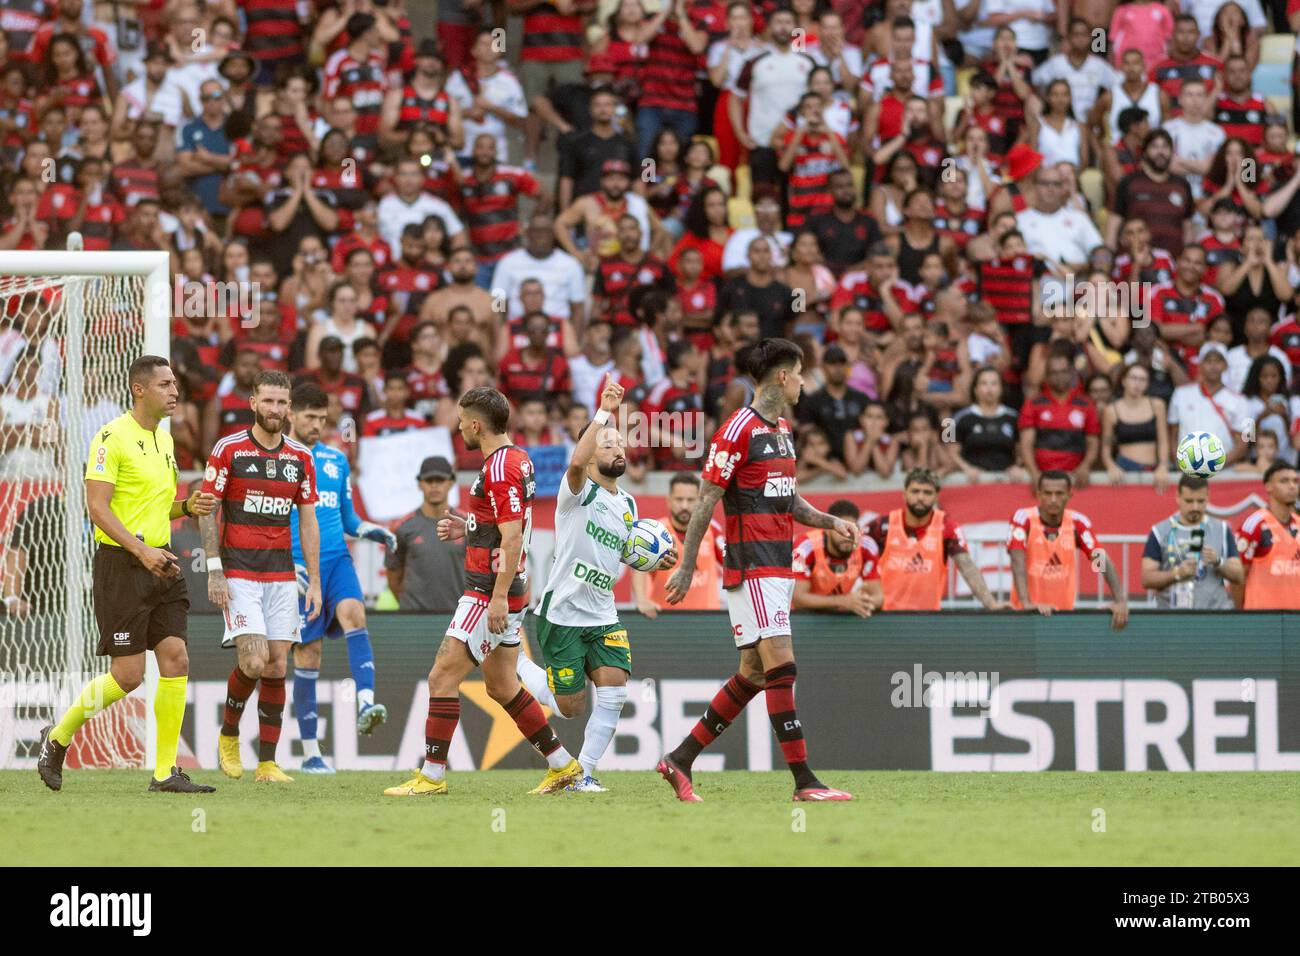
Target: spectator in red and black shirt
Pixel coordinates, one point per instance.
(406, 283)
(617, 275)
(674, 409)
(668, 76)
(252, 178)
(489, 198)
(274, 35)
(422, 101)
(351, 389)
(1184, 308)
(90, 208)
(809, 154)
(537, 367)
(393, 417)
(356, 73)
(532, 424)
(877, 291)
(1155, 195)
(1186, 61)
(136, 178)
(1239, 111)
(1059, 428)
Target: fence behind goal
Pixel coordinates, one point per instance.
(71, 323)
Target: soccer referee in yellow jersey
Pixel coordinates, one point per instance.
(140, 598)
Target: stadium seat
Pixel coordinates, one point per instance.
(951, 107)
(1277, 48)
(722, 176)
(740, 213)
(1093, 187)
(743, 183)
(1272, 79)
(963, 81)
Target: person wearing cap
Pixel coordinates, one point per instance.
(598, 214)
(490, 97)
(915, 544)
(425, 573)
(1206, 404)
(1018, 192)
(237, 68)
(835, 407)
(150, 95)
(424, 100)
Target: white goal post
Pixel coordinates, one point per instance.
(71, 323)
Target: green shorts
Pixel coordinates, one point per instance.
(573, 652)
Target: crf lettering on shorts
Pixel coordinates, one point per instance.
(607, 538)
(593, 576)
(260, 504)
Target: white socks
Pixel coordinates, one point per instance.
(365, 698)
(601, 726)
(434, 771)
(310, 748)
(533, 677)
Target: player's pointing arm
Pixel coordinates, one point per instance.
(611, 397)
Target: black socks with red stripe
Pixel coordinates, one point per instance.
(785, 723)
(723, 709)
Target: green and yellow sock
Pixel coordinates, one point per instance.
(98, 695)
(169, 712)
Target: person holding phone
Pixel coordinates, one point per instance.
(1190, 556)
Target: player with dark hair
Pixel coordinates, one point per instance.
(140, 598)
(485, 630)
(259, 476)
(343, 612)
(751, 467)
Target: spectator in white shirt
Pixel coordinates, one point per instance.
(1032, 21)
(493, 100)
(1063, 236)
(1256, 329)
(561, 274)
(1196, 139)
(1206, 10)
(409, 203)
(1086, 73)
(767, 224)
(1207, 405)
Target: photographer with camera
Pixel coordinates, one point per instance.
(1188, 557)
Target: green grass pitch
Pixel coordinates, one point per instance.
(104, 818)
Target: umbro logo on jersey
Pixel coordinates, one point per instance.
(141, 444)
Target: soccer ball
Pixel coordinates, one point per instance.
(1201, 454)
(647, 545)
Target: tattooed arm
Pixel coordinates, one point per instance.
(806, 514)
(680, 583)
(966, 565)
(218, 593)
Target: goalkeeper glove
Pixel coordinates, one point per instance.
(378, 534)
(300, 572)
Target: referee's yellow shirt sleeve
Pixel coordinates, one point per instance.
(104, 459)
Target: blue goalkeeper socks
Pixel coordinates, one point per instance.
(304, 702)
(361, 660)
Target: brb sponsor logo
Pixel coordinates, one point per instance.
(779, 487)
(76, 909)
(260, 504)
(328, 499)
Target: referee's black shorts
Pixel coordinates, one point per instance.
(134, 609)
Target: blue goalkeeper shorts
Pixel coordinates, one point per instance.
(338, 582)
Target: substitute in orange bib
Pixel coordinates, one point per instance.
(705, 593)
(1043, 544)
(915, 544)
(831, 573)
(1269, 542)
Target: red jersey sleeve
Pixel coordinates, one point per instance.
(870, 559)
(1254, 540)
(1084, 538)
(728, 449)
(954, 540)
(801, 561)
(216, 474)
(1018, 534)
(719, 541)
(1091, 421)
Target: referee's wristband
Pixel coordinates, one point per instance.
(600, 417)
(214, 564)
(185, 508)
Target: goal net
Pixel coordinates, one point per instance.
(71, 323)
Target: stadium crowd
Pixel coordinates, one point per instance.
(1013, 239)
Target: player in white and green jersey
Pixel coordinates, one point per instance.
(578, 627)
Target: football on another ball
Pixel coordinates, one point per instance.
(1201, 454)
(647, 545)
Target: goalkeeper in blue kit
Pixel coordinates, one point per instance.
(344, 612)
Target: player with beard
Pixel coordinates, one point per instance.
(751, 467)
(486, 628)
(915, 544)
(259, 476)
(648, 589)
(579, 631)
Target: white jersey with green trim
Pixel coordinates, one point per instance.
(590, 530)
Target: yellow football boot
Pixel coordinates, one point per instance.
(268, 771)
(418, 786)
(559, 779)
(228, 757)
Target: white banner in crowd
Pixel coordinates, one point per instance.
(387, 466)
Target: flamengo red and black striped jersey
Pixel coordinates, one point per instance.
(753, 459)
(503, 491)
(550, 36)
(492, 209)
(363, 83)
(258, 487)
(1008, 286)
(274, 32)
